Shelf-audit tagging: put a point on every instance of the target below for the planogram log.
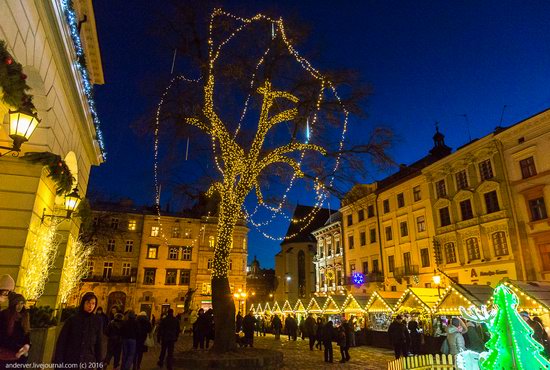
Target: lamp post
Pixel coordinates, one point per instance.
(22, 125)
(71, 203)
(437, 281)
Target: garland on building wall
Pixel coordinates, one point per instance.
(58, 170)
(13, 82)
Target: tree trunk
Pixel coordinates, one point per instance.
(222, 299)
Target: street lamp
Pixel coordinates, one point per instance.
(72, 201)
(437, 281)
(22, 125)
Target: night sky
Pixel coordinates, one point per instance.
(426, 60)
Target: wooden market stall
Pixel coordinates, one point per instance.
(276, 309)
(299, 307)
(331, 310)
(315, 305)
(465, 295)
(380, 308)
(534, 297)
(287, 308)
(354, 311)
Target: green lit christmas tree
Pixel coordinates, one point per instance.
(511, 345)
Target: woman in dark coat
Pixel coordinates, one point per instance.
(319, 334)
(15, 331)
(80, 340)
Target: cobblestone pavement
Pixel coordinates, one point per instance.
(297, 355)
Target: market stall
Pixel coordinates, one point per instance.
(331, 311)
(353, 310)
(315, 305)
(457, 295)
(276, 309)
(534, 297)
(380, 308)
(287, 308)
(299, 308)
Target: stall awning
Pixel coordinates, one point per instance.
(464, 295)
(354, 304)
(421, 299)
(316, 304)
(299, 307)
(259, 309)
(287, 307)
(331, 307)
(267, 308)
(276, 308)
(382, 301)
(534, 296)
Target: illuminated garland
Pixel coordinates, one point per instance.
(80, 64)
(13, 83)
(75, 268)
(41, 254)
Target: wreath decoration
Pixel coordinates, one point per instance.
(13, 82)
(59, 172)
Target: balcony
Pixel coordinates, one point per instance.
(112, 279)
(375, 277)
(401, 272)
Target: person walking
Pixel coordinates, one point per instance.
(319, 334)
(350, 337)
(129, 333)
(249, 323)
(310, 328)
(15, 331)
(81, 338)
(114, 341)
(341, 340)
(455, 339)
(328, 336)
(209, 336)
(416, 336)
(144, 329)
(169, 330)
(195, 326)
(398, 336)
(277, 325)
(239, 322)
(103, 317)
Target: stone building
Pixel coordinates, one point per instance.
(260, 283)
(45, 41)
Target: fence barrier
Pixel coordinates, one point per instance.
(423, 362)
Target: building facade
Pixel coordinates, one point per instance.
(40, 36)
(156, 264)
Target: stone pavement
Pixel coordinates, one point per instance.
(296, 355)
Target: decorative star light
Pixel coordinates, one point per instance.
(358, 278)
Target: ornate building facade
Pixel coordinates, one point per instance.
(44, 40)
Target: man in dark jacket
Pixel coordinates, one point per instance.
(249, 322)
(129, 332)
(169, 330)
(114, 341)
(277, 325)
(80, 340)
(144, 328)
(328, 336)
(310, 330)
(239, 322)
(398, 336)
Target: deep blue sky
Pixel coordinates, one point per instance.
(427, 61)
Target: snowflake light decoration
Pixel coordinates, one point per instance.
(358, 278)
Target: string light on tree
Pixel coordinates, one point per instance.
(75, 267)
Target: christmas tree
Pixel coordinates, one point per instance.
(511, 345)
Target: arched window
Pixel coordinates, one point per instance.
(211, 241)
(450, 253)
(500, 244)
(301, 274)
(472, 248)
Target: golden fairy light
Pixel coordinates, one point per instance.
(75, 267)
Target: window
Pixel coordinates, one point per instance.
(461, 180)
(350, 242)
(421, 224)
(114, 223)
(176, 232)
(538, 209)
(472, 248)
(211, 241)
(363, 238)
(407, 262)
(185, 277)
(416, 193)
(386, 205)
(404, 228)
(152, 251)
(450, 253)
(389, 235)
(210, 264)
(485, 170)
(352, 267)
(491, 201)
(372, 235)
(500, 244)
(365, 267)
(186, 253)
(466, 210)
(230, 265)
(339, 277)
(329, 249)
(444, 216)
(527, 166)
(391, 263)
(129, 246)
(126, 268)
(173, 253)
(90, 265)
(425, 257)
(132, 225)
(149, 276)
(370, 211)
(206, 289)
(400, 200)
(361, 215)
(322, 279)
(107, 270)
(440, 189)
(375, 266)
(350, 220)
(155, 230)
(171, 277)
(111, 245)
(321, 251)
(337, 242)
(393, 288)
